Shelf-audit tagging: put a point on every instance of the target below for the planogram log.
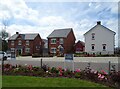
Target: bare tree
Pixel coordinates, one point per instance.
(4, 44)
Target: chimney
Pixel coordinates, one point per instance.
(98, 22)
(17, 32)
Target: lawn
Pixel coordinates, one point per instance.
(26, 81)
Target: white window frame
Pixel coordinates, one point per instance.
(92, 47)
(27, 42)
(27, 50)
(61, 41)
(54, 50)
(19, 42)
(12, 43)
(12, 49)
(103, 46)
(93, 36)
(53, 41)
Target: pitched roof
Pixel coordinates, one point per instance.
(101, 26)
(60, 33)
(83, 43)
(24, 36)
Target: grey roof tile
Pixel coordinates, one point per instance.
(13, 37)
(60, 33)
(24, 36)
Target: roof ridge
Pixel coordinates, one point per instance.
(64, 29)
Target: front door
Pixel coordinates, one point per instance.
(19, 51)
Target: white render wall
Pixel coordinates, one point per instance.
(102, 36)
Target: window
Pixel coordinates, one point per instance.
(27, 50)
(93, 36)
(12, 42)
(93, 47)
(27, 42)
(12, 49)
(37, 47)
(53, 50)
(61, 40)
(104, 47)
(53, 41)
(19, 42)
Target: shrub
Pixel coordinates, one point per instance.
(54, 70)
(115, 76)
(88, 74)
(77, 75)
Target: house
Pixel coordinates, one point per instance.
(25, 44)
(61, 41)
(99, 40)
(79, 47)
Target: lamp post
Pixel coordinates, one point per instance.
(3, 38)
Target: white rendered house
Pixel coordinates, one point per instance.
(99, 40)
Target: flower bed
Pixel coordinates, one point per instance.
(112, 80)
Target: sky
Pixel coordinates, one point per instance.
(38, 16)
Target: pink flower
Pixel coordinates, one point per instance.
(77, 70)
(30, 67)
(99, 75)
(65, 69)
(59, 68)
(103, 72)
(102, 77)
(95, 72)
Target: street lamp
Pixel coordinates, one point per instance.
(3, 39)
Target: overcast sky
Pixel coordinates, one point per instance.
(44, 17)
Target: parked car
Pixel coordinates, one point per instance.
(8, 54)
(3, 55)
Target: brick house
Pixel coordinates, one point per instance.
(79, 47)
(25, 44)
(61, 41)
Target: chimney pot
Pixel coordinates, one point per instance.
(98, 22)
(17, 32)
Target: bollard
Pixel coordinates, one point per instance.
(109, 68)
(41, 63)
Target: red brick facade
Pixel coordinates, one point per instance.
(79, 47)
(67, 45)
(26, 47)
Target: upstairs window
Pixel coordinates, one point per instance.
(53, 41)
(61, 40)
(104, 47)
(93, 36)
(93, 47)
(12, 42)
(19, 42)
(27, 42)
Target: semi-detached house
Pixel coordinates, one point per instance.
(25, 44)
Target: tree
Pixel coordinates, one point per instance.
(4, 44)
(4, 35)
